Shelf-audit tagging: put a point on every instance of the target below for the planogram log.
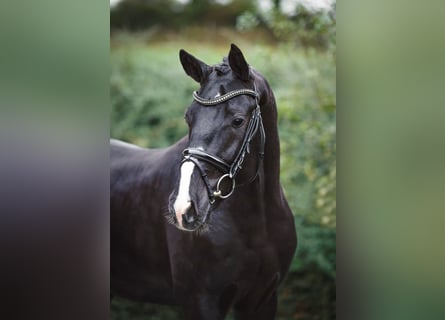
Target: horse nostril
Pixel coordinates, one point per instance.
(188, 218)
(190, 215)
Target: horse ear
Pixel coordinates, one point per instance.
(195, 68)
(238, 63)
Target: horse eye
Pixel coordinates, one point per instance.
(237, 122)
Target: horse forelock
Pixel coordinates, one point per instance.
(218, 82)
(222, 68)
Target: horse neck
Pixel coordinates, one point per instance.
(264, 193)
(272, 147)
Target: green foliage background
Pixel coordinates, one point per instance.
(150, 92)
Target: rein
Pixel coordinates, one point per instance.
(230, 170)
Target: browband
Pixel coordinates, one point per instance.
(224, 97)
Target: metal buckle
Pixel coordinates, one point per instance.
(218, 192)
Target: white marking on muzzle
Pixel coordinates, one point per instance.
(183, 202)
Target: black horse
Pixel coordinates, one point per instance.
(204, 223)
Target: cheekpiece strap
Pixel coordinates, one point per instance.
(223, 98)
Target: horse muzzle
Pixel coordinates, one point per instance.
(186, 217)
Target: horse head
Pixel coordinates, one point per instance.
(224, 119)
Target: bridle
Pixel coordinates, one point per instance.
(230, 171)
